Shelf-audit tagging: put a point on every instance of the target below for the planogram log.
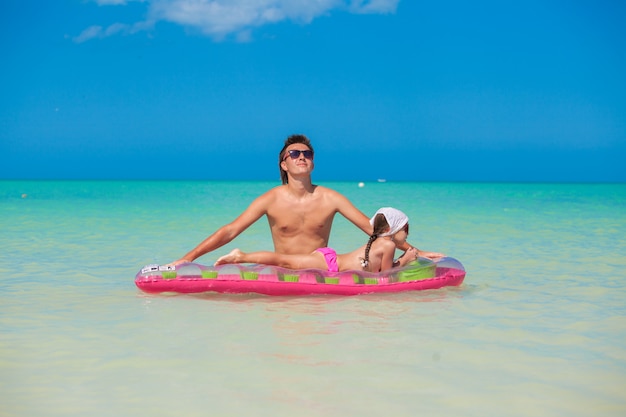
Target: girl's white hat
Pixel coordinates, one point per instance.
(395, 218)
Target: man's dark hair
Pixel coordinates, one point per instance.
(290, 141)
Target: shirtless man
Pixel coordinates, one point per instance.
(300, 214)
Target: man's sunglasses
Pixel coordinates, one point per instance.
(295, 154)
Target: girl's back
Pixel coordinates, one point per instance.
(380, 257)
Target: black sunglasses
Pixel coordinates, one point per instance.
(295, 153)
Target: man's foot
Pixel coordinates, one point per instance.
(233, 257)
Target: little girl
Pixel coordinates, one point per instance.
(391, 228)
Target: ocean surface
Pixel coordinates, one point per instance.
(538, 328)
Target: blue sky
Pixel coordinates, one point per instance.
(396, 89)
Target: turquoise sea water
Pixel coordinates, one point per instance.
(538, 327)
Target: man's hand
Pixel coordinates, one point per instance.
(178, 262)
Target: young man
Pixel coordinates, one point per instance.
(300, 214)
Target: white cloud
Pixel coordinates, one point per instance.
(89, 33)
(114, 2)
(94, 32)
(373, 6)
(221, 18)
(100, 32)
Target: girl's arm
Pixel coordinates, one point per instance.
(406, 246)
(409, 256)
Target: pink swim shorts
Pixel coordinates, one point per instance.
(331, 258)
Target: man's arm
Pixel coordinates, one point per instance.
(228, 232)
(406, 246)
(351, 213)
(360, 220)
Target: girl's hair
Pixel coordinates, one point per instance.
(380, 225)
(281, 155)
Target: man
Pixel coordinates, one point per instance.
(300, 214)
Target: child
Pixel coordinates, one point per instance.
(391, 228)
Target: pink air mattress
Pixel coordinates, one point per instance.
(422, 274)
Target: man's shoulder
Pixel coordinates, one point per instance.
(268, 196)
(325, 190)
(332, 195)
(274, 191)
